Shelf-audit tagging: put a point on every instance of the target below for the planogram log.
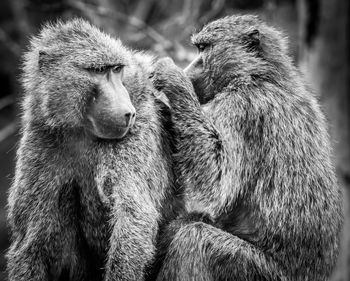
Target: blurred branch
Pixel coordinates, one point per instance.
(271, 7)
(8, 131)
(143, 9)
(190, 9)
(216, 7)
(89, 10)
(21, 19)
(6, 101)
(9, 43)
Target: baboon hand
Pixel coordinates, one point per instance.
(166, 76)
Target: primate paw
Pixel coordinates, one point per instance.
(165, 74)
(197, 217)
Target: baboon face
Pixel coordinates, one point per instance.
(110, 113)
(81, 77)
(233, 49)
(220, 58)
(196, 71)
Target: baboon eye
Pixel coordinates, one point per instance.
(103, 69)
(201, 47)
(117, 68)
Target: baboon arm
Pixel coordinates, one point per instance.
(203, 159)
(39, 231)
(26, 262)
(199, 251)
(134, 227)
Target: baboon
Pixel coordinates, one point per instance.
(93, 181)
(254, 155)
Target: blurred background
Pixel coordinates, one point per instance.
(319, 43)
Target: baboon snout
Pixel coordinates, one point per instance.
(112, 114)
(195, 68)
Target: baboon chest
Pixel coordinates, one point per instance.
(88, 218)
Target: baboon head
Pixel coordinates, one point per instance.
(73, 78)
(235, 49)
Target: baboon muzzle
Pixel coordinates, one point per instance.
(112, 114)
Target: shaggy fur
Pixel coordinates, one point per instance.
(83, 208)
(255, 157)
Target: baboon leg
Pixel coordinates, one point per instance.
(202, 252)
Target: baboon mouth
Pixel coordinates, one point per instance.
(121, 132)
(115, 133)
(108, 131)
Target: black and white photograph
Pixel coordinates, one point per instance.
(175, 140)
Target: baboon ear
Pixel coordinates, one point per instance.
(252, 40)
(46, 59)
(255, 36)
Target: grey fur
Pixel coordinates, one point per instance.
(255, 157)
(83, 208)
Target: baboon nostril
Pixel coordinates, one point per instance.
(128, 116)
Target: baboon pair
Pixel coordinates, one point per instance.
(94, 186)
